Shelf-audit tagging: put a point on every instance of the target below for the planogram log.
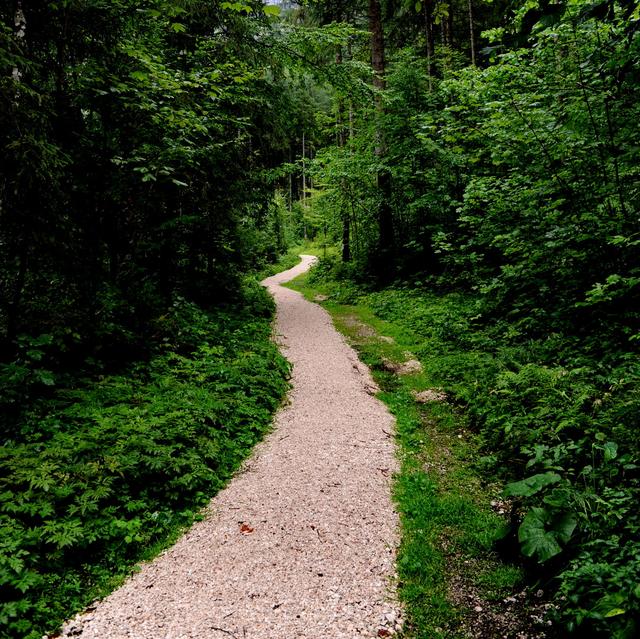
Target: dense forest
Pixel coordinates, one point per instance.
(157, 154)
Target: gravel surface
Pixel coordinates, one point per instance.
(301, 544)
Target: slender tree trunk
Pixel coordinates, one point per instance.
(385, 219)
(472, 38)
(340, 119)
(350, 57)
(13, 311)
(277, 229)
(22, 257)
(341, 141)
(351, 127)
(377, 48)
(304, 171)
(290, 182)
(304, 186)
(355, 234)
(20, 23)
(427, 9)
(612, 147)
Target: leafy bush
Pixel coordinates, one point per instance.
(338, 280)
(585, 506)
(29, 371)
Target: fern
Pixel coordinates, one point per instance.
(109, 467)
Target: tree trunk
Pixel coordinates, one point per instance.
(472, 34)
(429, 34)
(304, 171)
(341, 141)
(346, 236)
(13, 310)
(290, 202)
(385, 219)
(15, 294)
(20, 23)
(377, 43)
(304, 186)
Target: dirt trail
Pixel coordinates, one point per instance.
(301, 544)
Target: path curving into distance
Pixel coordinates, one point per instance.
(301, 543)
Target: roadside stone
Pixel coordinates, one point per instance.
(430, 395)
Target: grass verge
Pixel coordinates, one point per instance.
(452, 582)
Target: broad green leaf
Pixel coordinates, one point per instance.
(610, 451)
(541, 533)
(563, 527)
(531, 485)
(535, 540)
(615, 612)
(611, 605)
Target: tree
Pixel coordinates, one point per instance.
(385, 212)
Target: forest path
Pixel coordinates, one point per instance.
(301, 544)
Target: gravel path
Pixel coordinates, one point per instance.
(301, 543)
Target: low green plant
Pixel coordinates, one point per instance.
(584, 505)
(556, 420)
(29, 371)
(100, 472)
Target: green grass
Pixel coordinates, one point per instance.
(446, 516)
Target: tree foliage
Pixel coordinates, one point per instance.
(131, 131)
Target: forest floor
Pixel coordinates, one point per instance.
(302, 542)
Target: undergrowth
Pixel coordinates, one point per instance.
(557, 424)
(286, 261)
(104, 473)
(554, 419)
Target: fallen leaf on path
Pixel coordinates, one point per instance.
(245, 529)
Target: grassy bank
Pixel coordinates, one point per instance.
(104, 473)
(452, 582)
